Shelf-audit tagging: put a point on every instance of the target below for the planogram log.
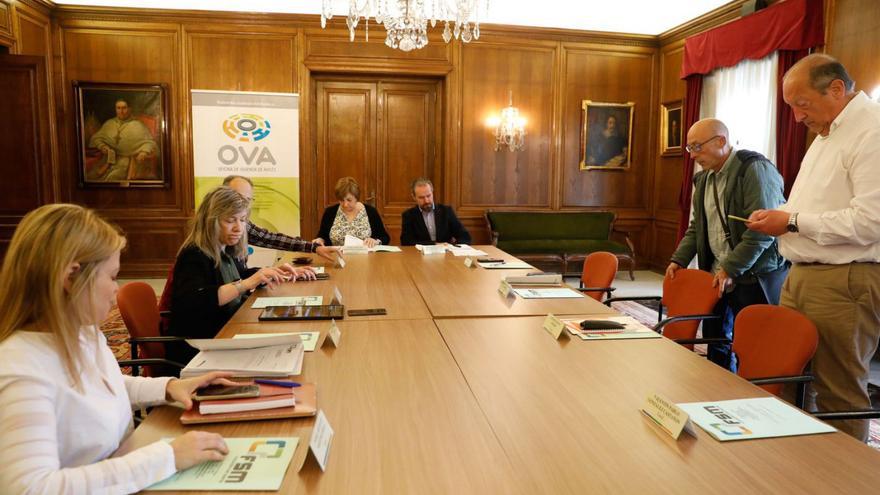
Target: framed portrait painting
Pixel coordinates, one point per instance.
(671, 134)
(122, 134)
(606, 135)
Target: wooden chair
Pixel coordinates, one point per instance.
(599, 271)
(137, 305)
(689, 298)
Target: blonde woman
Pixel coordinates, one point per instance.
(351, 217)
(211, 279)
(65, 405)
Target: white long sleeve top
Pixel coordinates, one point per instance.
(837, 192)
(56, 439)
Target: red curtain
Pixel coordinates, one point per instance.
(792, 27)
(691, 116)
(789, 25)
(791, 138)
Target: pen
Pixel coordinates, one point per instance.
(280, 383)
(741, 219)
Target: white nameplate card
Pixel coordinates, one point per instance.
(669, 417)
(334, 334)
(337, 296)
(555, 327)
(322, 437)
(469, 262)
(431, 248)
(504, 288)
(265, 302)
(340, 261)
(318, 269)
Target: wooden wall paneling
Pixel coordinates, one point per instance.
(25, 144)
(244, 61)
(152, 245)
(331, 51)
(608, 75)
(7, 36)
(665, 241)
(504, 179)
(669, 168)
(854, 38)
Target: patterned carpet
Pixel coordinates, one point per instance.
(117, 338)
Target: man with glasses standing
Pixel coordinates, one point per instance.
(830, 229)
(747, 266)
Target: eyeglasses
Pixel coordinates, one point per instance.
(696, 148)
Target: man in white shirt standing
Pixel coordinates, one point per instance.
(830, 230)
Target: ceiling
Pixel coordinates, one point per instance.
(651, 17)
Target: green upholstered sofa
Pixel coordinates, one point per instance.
(558, 240)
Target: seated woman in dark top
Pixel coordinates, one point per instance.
(351, 217)
(211, 279)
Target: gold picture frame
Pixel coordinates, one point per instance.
(606, 135)
(671, 133)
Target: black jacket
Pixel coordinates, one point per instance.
(377, 228)
(195, 311)
(449, 228)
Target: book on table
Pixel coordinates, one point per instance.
(271, 397)
(304, 403)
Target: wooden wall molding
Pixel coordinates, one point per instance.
(714, 18)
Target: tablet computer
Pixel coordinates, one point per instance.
(327, 312)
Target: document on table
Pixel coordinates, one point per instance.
(258, 340)
(464, 250)
(633, 329)
(252, 464)
(308, 339)
(265, 302)
(505, 265)
(276, 360)
(745, 419)
(556, 293)
(353, 245)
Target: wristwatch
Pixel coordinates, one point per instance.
(792, 223)
(239, 287)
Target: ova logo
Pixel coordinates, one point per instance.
(247, 127)
(242, 466)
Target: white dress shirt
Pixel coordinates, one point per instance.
(56, 439)
(837, 192)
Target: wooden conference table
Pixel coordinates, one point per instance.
(487, 402)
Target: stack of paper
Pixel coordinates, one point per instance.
(465, 250)
(744, 419)
(632, 329)
(431, 248)
(280, 355)
(555, 293)
(271, 397)
(309, 339)
(535, 279)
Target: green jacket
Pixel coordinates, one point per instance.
(753, 184)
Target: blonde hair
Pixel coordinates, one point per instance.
(32, 294)
(346, 186)
(204, 231)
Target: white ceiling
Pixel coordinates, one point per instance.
(625, 16)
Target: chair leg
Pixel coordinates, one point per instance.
(632, 264)
(800, 395)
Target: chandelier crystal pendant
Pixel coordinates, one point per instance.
(406, 21)
(510, 128)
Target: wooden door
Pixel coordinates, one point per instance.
(383, 132)
(26, 165)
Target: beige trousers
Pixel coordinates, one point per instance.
(843, 301)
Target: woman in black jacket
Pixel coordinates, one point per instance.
(351, 217)
(211, 279)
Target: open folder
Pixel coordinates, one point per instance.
(279, 355)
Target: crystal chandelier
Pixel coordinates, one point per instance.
(406, 21)
(510, 128)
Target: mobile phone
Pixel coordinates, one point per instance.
(490, 260)
(322, 276)
(367, 312)
(218, 392)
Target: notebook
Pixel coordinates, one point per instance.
(271, 396)
(306, 405)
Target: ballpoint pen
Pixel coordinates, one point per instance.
(280, 383)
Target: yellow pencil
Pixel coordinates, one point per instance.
(741, 219)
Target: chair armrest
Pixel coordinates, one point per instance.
(632, 298)
(772, 380)
(719, 340)
(629, 244)
(832, 416)
(149, 361)
(609, 290)
(165, 314)
(141, 340)
(676, 319)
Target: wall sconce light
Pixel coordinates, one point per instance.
(510, 128)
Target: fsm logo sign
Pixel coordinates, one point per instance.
(241, 467)
(247, 127)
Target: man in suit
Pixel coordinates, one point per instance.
(747, 265)
(430, 223)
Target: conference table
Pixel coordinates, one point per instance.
(458, 389)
